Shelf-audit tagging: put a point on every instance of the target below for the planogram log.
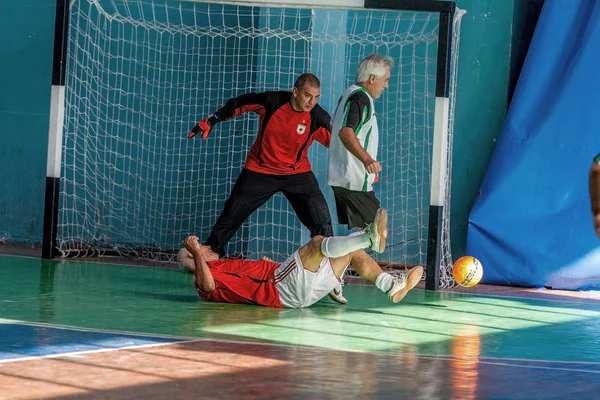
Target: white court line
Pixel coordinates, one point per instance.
(185, 339)
(479, 361)
(539, 367)
(177, 340)
(508, 296)
(78, 353)
(83, 329)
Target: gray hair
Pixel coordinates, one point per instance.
(373, 64)
(185, 262)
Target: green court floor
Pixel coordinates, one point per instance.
(145, 300)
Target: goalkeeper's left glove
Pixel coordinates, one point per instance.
(204, 126)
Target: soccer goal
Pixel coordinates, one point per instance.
(131, 77)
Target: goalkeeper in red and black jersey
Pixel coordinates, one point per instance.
(278, 160)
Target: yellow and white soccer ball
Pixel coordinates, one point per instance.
(467, 271)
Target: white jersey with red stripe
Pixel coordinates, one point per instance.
(299, 287)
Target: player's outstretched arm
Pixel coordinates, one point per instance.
(203, 127)
(595, 193)
(250, 102)
(202, 274)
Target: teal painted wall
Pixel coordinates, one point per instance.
(483, 73)
(26, 40)
(26, 35)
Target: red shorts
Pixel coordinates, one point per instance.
(243, 282)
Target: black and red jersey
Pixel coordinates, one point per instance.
(284, 136)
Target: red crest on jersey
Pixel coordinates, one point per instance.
(301, 128)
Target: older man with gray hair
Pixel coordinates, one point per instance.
(353, 165)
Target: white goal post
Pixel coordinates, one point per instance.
(131, 77)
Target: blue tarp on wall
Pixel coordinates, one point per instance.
(532, 225)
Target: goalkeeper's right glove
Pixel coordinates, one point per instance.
(203, 127)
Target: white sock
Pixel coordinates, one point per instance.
(338, 246)
(384, 282)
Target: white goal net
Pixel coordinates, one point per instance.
(141, 73)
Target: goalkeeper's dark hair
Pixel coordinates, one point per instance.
(307, 79)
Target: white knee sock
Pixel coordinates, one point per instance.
(338, 246)
(384, 282)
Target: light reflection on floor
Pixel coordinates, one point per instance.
(432, 345)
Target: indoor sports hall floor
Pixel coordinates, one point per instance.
(73, 329)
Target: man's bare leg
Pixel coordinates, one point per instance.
(362, 263)
(311, 255)
(396, 287)
(373, 236)
(340, 247)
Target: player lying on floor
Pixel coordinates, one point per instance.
(307, 276)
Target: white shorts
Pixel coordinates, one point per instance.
(299, 287)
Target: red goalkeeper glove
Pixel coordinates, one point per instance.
(203, 127)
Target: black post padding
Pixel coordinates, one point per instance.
(432, 280)
(412, 5)
(61, 39)
(50, 217)
(442, 81)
